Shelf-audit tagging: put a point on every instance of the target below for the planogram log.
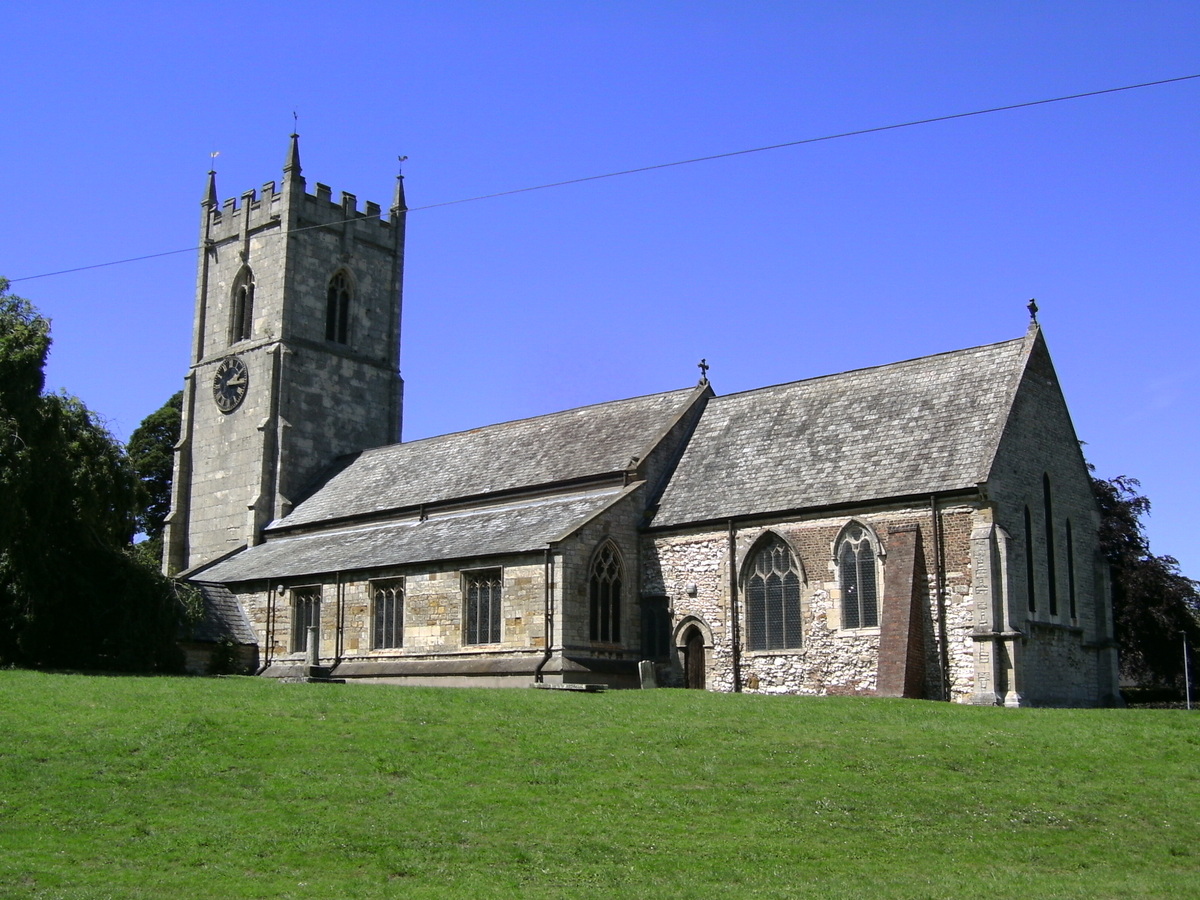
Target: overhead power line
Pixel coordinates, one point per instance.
(681, 162)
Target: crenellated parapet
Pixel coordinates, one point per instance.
(257, 210)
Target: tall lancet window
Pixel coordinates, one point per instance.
(604, 595)
(859, 577)
(337, 308)
(241, 318)
(772, 597)
(1051, 574)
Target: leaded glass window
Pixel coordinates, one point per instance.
(387, 627)
(483, 606)
(772, 597)
(1051, 574)
(337, 308)
(306, 611)
(241, 318)
(1071, 571)
(859, 579)
(604, 595)
(1030, 573)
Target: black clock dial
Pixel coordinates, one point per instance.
(230, 384)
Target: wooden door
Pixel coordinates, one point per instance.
(693, 660)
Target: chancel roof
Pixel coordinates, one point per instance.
(515, 527)
(909, 428)
(559, 448)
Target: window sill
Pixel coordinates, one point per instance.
(870, 631)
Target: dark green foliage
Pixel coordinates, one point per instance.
(1154, 605)
(72, 592)
(151, 449)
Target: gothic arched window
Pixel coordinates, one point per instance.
(1051, 574)
(859, 576)
(1030, 573)
(337, 308)
(772, 596)
(604, 595)
(241, 317)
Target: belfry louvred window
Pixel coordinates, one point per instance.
(859, 579)
(604, 595)
(241, 317)
(772, 597)
(337, 308)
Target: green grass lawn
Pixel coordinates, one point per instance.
(240, 787)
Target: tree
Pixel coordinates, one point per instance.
(71, 592)
(1154, 605)
(151, 449)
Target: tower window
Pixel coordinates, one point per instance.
(337, 308)
(241, 319)
(772, 597)
(604, 595)
(483, 606)
(860, 580)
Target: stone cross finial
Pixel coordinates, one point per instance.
(703, 366)
(1033, 309)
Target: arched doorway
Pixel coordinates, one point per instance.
(693, 659)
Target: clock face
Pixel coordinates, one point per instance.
(230, 384)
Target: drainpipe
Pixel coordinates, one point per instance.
(340, 622)
(270, 631)
(735, 629)
(547, 600)
(939, 590)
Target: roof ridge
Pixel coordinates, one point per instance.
(549, 415)
(899, 362)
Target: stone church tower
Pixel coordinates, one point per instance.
(295, 356)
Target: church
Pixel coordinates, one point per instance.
(920, 529)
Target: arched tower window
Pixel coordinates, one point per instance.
(604, 594)
(772, 596)
(858, 573)
(1048, 510)
(241, 318)
(337, 308)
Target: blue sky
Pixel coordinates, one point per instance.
(774, 266)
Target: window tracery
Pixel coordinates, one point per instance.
(772, 597)
(859, 576)
(604, 595)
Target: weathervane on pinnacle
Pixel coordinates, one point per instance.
(1033, 310)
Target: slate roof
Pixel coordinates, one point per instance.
(223, 618)
(510, 528)
(914, 427)
(564, 446)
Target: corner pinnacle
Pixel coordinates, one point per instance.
(292, 166)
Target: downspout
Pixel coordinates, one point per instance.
(735, 625)
(270, 631)
(339, 624)
(547, 601)
(939, 590)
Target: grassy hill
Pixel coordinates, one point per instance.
(231, 788)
